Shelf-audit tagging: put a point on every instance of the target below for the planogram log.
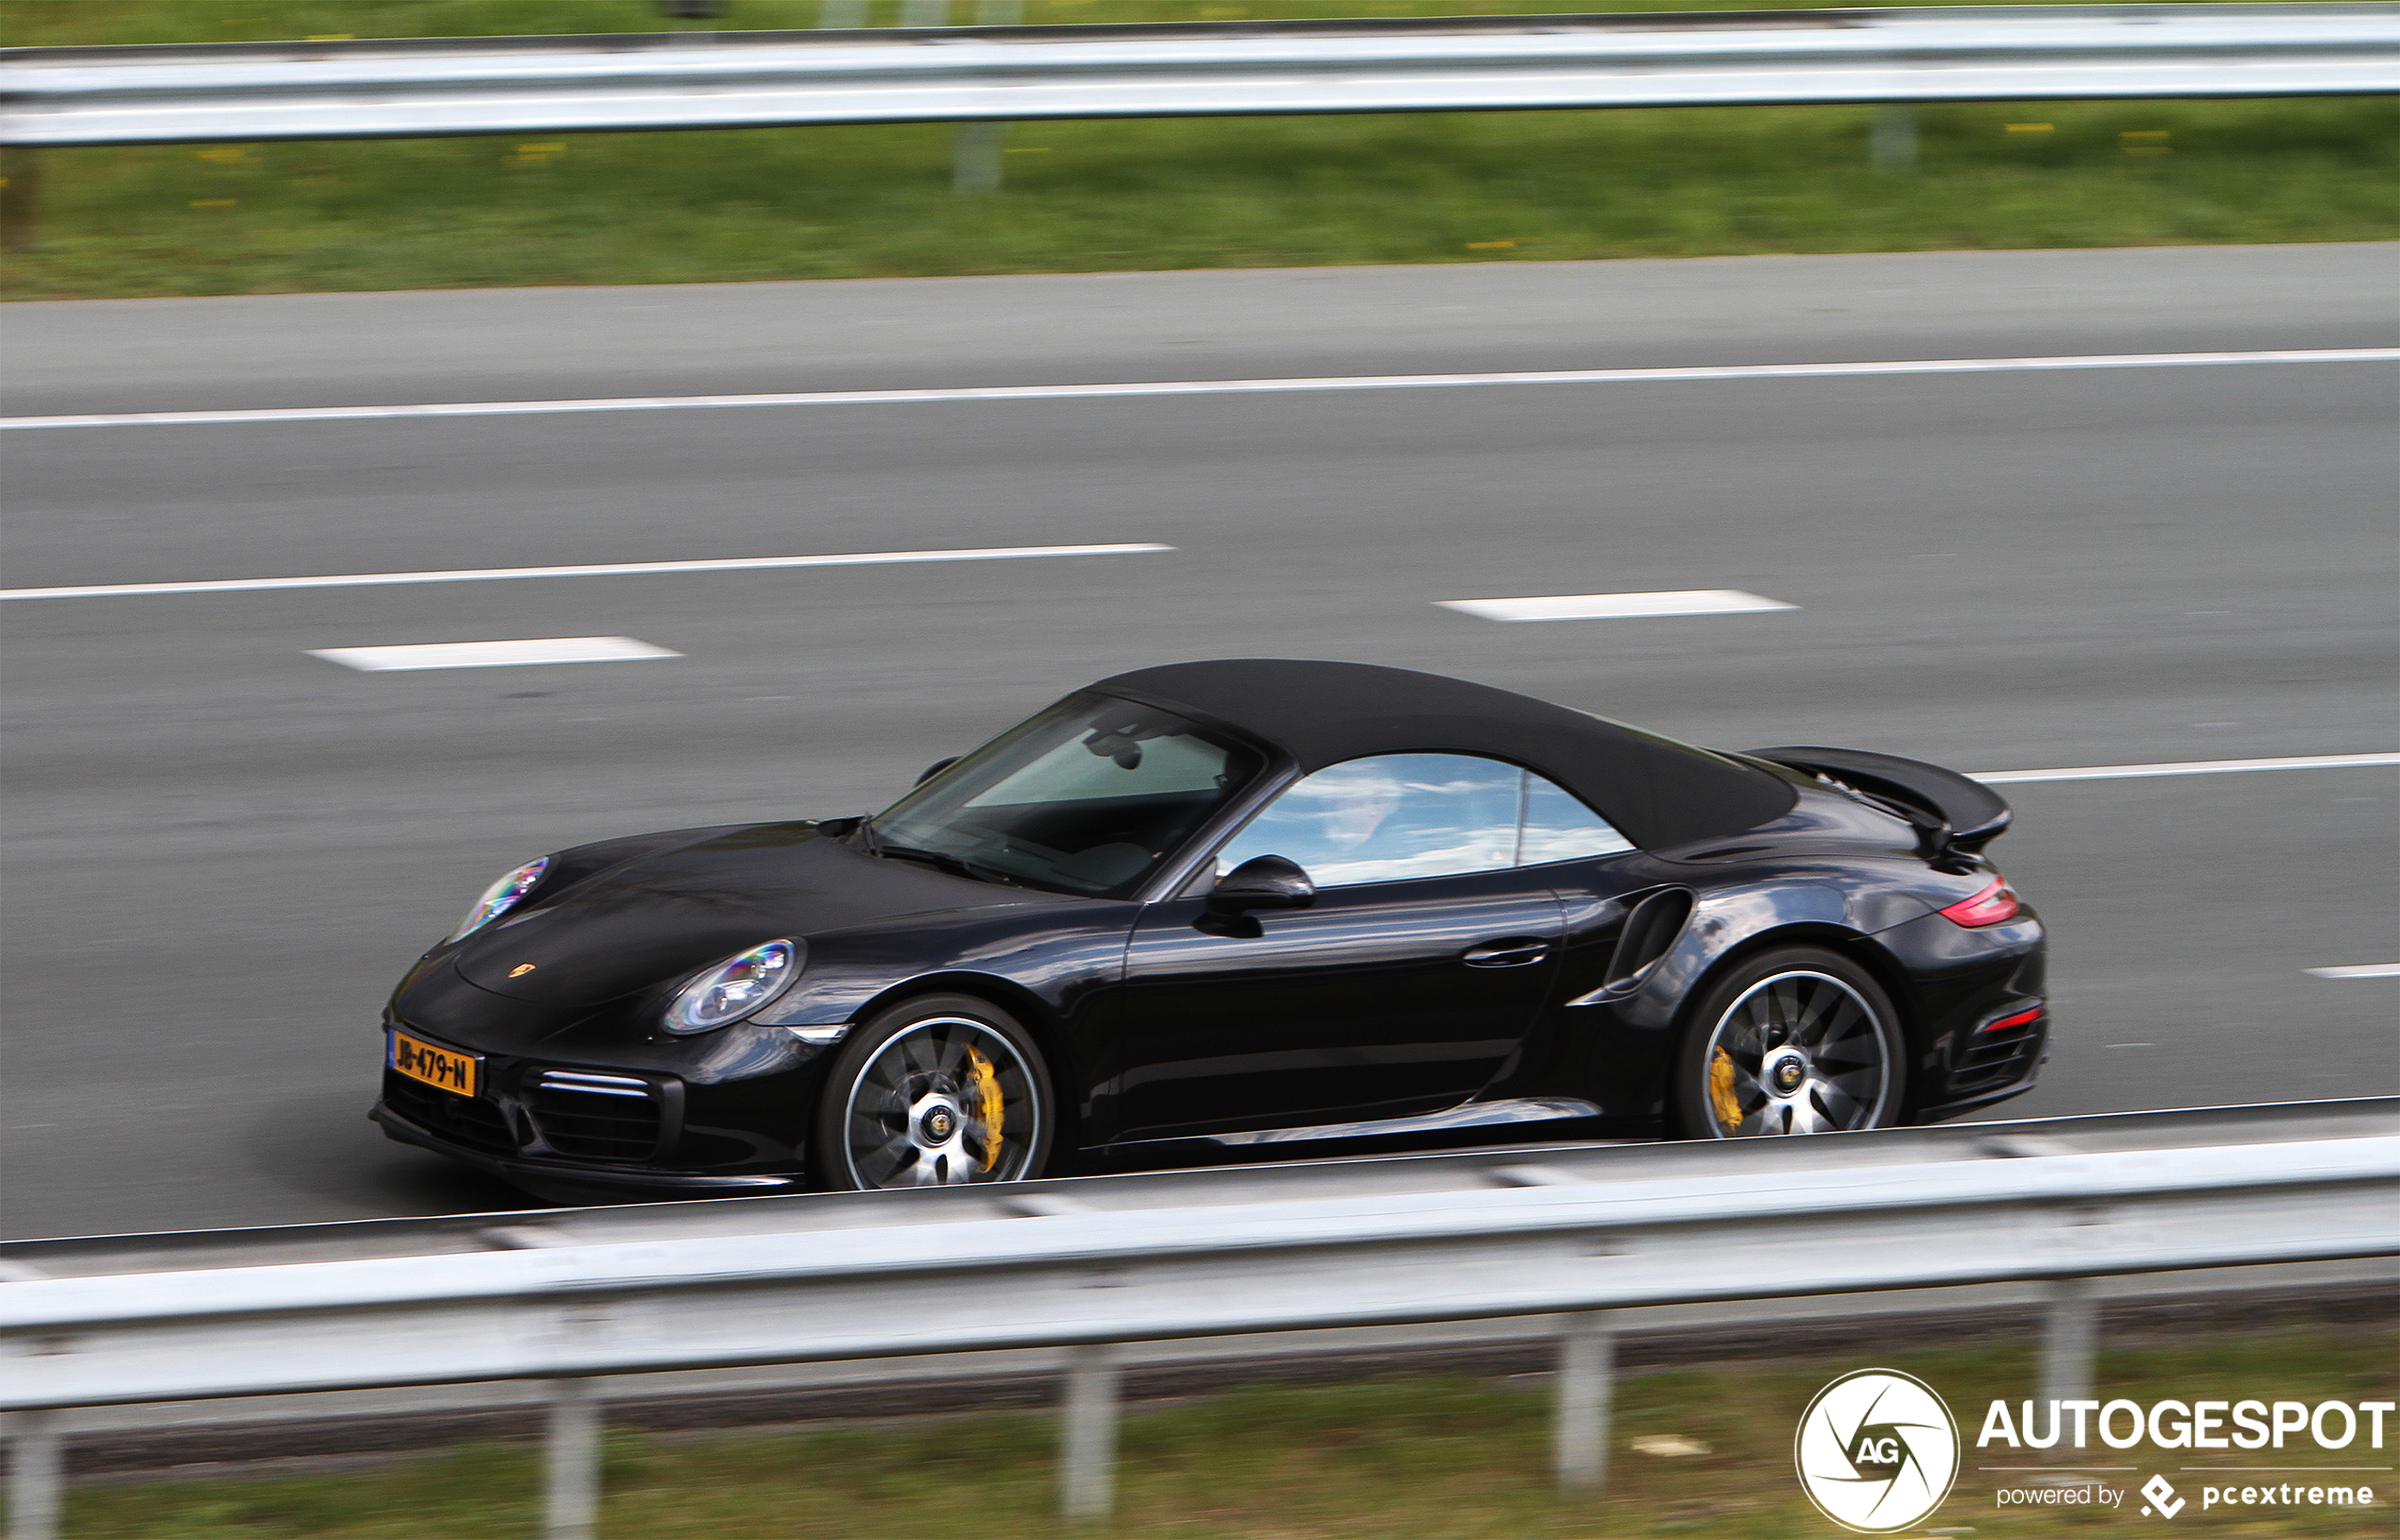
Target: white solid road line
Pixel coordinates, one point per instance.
(493, 654)
(1216, 388)
(2363, 970)
(2186, 768)
(493, 574)
(1593, 607)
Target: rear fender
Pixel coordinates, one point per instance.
(1618, 1046)
(1725, 927)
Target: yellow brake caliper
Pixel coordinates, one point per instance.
(986, 1083)
(1722, 1100)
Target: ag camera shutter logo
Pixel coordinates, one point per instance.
(1877, 1451)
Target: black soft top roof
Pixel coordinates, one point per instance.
(1658, 791)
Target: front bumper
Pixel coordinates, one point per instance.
(554, 1176)
(625, 1127)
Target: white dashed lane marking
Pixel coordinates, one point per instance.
(2185, 768)
(1597, 607)
(2357, 970)
(493, 654)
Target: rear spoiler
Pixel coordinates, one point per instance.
(1957, 815)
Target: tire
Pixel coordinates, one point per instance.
(1796, 1040)
(936, 1092)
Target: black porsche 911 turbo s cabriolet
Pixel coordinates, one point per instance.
(1246, 906)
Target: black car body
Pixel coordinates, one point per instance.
(1351, 976)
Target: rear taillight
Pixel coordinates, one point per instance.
(1990, 907)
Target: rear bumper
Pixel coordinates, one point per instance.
(1991, 1064)
(1961, 1105)
(1967, 1052)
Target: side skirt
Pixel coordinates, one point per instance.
(1535, 1110)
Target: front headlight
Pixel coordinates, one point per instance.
(501, 897)
(739, 986)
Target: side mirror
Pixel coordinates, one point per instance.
(937, 768)
(1261, 883)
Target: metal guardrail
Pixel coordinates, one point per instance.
(1088, 1263)
(747, 80)
(1411, 1175)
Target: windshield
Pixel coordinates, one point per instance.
(1087, 798)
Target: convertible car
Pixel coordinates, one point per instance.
(1225, 908)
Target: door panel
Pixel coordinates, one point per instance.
(1366, 1005)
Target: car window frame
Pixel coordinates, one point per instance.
(1527, 802)
(1179, 872)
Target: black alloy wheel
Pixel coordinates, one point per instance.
(936, 1092)
(1798, 1041)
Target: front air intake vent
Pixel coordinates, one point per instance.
(470, 1121)
(598, 1117)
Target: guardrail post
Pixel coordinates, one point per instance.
(2070, 1335)
(572, 1489)
(35, 1458)
(1087, 1458)
(1586, 1386)
(976, 150)
(974, 157)
(1891, 142)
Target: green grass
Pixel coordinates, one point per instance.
(875, 201)
(853, 202)
(1403, 1459)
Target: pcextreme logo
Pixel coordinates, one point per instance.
(1876, 1451)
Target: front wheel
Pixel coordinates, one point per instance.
(936, 1092)
(1798, 1040)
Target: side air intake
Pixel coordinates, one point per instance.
(1650, 930)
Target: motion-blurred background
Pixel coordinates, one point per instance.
(876, 202)
(221, 850)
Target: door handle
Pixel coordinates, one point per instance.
(1509, 951)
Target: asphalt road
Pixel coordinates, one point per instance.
(220, 851)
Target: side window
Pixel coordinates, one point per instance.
(1388, 818)
(1558, 826)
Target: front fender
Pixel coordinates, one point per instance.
(1052, 951)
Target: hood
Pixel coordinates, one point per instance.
(659, 918)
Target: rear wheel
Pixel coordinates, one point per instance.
(936, 1092)
(1798, 1040)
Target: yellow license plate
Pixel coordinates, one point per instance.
(434, 1065)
